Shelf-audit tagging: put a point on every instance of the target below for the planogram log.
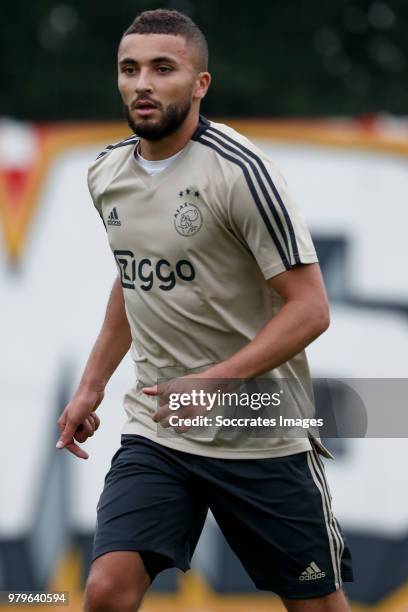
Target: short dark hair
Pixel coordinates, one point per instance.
(163, 21)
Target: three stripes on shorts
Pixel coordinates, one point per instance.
(335, 539)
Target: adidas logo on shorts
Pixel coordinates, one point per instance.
(312, 572)
(113, 218)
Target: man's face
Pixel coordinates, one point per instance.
(157, 81)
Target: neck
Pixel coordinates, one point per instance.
(154, 150)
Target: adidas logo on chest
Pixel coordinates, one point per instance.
(113, 217)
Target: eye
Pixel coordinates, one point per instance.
(128, 70)
(164, 69)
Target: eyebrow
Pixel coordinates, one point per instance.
(155, 60)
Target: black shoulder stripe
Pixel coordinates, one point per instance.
(272, 187)
(131, 137)
(123, 143)
(203, 125)
(260, 183)
(255, 196)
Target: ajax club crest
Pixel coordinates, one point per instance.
(188, 218)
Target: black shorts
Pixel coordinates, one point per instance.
(275, 514)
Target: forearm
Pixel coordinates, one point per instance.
(111, 345)
(295, 326)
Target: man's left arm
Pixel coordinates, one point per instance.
(304, 315)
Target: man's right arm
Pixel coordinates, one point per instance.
(78, 419)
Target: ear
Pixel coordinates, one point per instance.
(203, 81)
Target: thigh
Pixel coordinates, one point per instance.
(149, 505)
(276, 515)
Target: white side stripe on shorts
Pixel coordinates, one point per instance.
(334, 521)
(338, 539)
(333, 543)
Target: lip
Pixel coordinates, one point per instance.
(146, 111)
(144, 107)
(144, 102)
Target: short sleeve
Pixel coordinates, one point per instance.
(93, 194)
(263, 214)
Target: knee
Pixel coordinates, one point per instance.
(334, 602)
(117, 582)
(104, 595)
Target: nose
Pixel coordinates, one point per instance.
(143, 83)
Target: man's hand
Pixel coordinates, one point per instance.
(79, 421)
(187, 397)
(168, 391)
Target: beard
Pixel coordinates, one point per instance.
(171, 119)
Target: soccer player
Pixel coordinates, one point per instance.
(218, 278)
